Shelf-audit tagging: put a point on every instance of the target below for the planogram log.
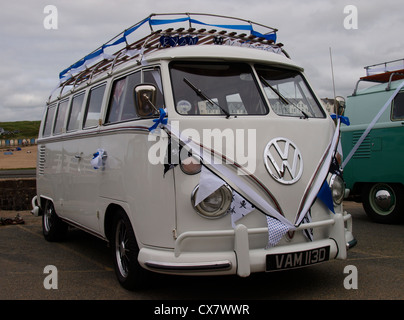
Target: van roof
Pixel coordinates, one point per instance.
(221, 53)
(134, 44)
(378, 87)
(387, 74)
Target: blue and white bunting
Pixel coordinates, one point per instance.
(239, 208)
(121, 39)
(276, 230)
(308, 232)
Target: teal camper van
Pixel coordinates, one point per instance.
(373, 143)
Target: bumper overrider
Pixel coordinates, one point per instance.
(242, 260)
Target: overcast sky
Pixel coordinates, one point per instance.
(32, 56)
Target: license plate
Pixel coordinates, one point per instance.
(282, 261)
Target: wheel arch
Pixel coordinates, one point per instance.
(110, 215)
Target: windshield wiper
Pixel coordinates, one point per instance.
(199, 93)
(282, 98)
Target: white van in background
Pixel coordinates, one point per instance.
(194, 150)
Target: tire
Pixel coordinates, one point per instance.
(53, 228)
(125, 251)
(383, 202)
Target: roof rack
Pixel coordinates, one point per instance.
(383, 73)
(195, 32)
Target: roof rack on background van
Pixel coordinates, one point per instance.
(383, 73)
(100, 62)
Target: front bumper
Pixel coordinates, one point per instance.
(242, 260)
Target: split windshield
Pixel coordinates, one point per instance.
(288, 94)
(216, 88)
(231, 89)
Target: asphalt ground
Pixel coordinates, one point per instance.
(85, 270)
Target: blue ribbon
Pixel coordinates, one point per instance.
(156, 22)
(344, 120)
(161, 120)
(324, 194)
(100, 51)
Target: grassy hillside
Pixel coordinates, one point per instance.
(20, 129)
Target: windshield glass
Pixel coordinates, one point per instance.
(215, 89)
(288, 93)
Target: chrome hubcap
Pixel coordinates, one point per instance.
(383, 199)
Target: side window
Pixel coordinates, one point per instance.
(122, 105)
(153, 76)
(397, 112)
(73, 123)
(60, 116)
(94, 104)
(47, 130)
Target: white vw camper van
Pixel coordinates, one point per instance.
(199, 149)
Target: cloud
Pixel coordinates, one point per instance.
(32, 56)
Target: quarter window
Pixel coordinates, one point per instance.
(49, 120)
(94, 105)
(60, 117)
(153, 76)
(73, 123)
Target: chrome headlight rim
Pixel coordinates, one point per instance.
(337, 186)
(227, 196)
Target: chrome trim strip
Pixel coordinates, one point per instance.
(191, 266)
(79, 226)
(92, 132)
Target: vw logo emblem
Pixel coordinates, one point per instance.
(283, 160)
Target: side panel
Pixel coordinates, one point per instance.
(81, 182)
(129, 177)
(378, 159)
(49, 173)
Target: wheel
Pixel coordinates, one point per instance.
(53, 228)
(125, 252)
(384, 203)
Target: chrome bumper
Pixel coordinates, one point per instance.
(242, 260)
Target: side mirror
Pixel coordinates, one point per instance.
(145, 100)
(340, 105)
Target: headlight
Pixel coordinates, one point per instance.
(216, 205)
(337, 186)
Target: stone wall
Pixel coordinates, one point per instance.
(16, 194)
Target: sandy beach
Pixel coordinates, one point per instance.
(11, 158)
